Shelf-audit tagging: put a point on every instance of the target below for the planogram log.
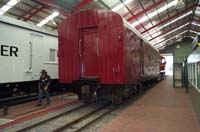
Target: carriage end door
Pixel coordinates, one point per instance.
(89, 52)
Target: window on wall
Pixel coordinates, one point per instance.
(193, 74)
(52, 55)
(190, 72)
(198, 75)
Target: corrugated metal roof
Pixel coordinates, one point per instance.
(157, 20)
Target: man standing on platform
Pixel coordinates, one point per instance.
(43, 87)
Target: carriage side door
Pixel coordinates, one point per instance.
(88, 50)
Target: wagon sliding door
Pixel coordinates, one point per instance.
(36, 55)
(89, 52)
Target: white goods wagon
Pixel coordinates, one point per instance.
(25, 50)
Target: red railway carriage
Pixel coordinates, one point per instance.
(96, 45)
(162, 67)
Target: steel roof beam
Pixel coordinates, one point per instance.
(43, 11)
(170, 44)
(49, 2)
(173, 17)
(137, 7)
(167, 39)
(82, 4)
(145, 10)
(192, 29)
(169, 30)
(34, 13)
(53, 6)
(136, 18)
(173, 36)
(187, 29)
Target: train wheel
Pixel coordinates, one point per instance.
(87, 94)
(125, 93)
(138, 90)
(117, 97)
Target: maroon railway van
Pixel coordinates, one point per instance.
(95, 45)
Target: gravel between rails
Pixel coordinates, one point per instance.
(87, 122)
(52, 125)
(20, 126)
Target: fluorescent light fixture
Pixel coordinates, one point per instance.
(197, 12)
(118, 7)
(165, 7)
(196, 24)
(194, 32)
(7, 6)
(191, 37)
(49, 18)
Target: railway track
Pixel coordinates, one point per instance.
(80, 123)
(12, 101)
(49, 119)
(76, 124)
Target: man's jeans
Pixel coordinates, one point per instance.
(40, 96)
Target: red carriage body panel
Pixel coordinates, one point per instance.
(95, 43)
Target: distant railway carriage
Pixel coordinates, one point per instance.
(162, 67)
(99, 53)
(24, 50)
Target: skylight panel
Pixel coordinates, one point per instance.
(118, 7)
(12, 2)
(173, 21)
(163, 8)
(49, 18)
(7, 6)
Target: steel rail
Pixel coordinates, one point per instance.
(50, 119)
(94, 120)
(79, 119)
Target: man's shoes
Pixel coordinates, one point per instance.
(39, 105)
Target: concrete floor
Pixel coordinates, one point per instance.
(161, 109)
(27, 109)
